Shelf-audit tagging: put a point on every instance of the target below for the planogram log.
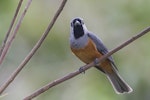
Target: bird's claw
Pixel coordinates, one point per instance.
(81, 70)
(96, 62)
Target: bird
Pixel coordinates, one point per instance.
(88, 47)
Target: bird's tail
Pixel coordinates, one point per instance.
(119, 85)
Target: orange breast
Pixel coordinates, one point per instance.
(89, 53)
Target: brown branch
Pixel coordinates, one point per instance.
(11, 25)
(73, 74)
(12, 37)
(35, 48)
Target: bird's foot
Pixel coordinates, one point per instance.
(81, 70)
(96, 62)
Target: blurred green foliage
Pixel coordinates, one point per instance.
(113, 21)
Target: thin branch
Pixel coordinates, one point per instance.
(9, 41)
(11, 25)
(35, 48)
(73, 74)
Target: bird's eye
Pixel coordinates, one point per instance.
(75, 20)
(71, 24)
(82, 22)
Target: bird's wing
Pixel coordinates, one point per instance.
(100, 47)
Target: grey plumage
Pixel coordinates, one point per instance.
(101, 48)
(79, 37)
(117, 82)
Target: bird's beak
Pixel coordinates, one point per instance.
(77, 23)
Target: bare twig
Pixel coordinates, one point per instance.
(10, 40)
(10, 27)
(35, 48)
(73, 74)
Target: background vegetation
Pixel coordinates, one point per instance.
(113, 21)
